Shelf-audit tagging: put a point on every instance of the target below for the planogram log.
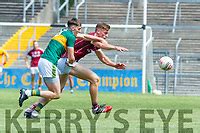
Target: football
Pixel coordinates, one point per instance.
(166, 63)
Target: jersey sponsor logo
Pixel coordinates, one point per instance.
(36, 54)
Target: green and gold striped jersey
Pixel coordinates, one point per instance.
(58, 45)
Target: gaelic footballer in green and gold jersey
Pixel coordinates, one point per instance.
(61, 42)
(47, 67)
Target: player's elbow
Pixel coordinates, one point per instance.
(98, 44)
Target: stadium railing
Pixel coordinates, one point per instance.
(175, 16)
(176, 64)
(61, 7)
(130, 7)
(85, 9)
(26, 7)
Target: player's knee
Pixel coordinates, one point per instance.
(56, 96)
(95, 80)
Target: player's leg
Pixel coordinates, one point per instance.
(39, 78)
(63, 80)
(53, 87)
(86, 74)
(37, 106)
(53, 91)
(34, 110)
(40, 82)
(51, 79)
(32, 69)
(71, 83)
(64, 71)
(33, 81)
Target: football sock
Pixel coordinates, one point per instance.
(39, 107)
(94, 105)
(32, 93)
(28, 92)
(39, 83)
(35, 93)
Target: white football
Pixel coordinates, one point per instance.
(166, 63)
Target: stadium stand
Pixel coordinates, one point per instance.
(13, 11)
(100, 12)
(27, 34)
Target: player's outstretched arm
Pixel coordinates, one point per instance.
(91, 38)
(107, 46)
(104, 59)
(101, 43)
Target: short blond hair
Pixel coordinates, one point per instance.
(102, 26)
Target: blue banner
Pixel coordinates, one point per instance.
(110, 80)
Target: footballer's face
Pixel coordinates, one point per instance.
(35, 45)
(76, 30)
(103, 33)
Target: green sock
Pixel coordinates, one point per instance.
(39, 107)
(35, 92)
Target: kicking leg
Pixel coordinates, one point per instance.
(53, 91)
(63, 80)
(87, 74)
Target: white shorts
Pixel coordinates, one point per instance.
(1, 69)
(34, 70)
(63, 67)
(48, 69)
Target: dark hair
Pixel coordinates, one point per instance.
(103, 26)
(74, 21)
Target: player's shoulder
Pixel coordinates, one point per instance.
(28, 52)
(40, 49)
(67, 32)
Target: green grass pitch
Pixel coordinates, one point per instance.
(132, 113)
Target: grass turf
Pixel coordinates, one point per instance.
(126, 115)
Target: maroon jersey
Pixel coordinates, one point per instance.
(82, 48)
(35, 56)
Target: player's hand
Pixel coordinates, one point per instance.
(4, 63)
(121, 49)
(69, 64)
(120, 66)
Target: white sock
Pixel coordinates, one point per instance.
(28, 93)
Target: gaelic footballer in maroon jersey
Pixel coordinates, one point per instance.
(35, 54)
(82, 48)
